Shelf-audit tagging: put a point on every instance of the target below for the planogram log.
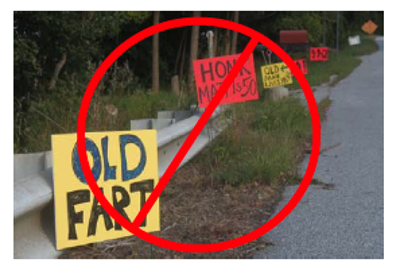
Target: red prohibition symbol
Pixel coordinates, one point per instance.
(256, 38)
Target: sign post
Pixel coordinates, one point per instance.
(337, 31)
(210, 40)
(269, 53)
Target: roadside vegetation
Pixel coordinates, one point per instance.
(232, 187)
(58, 114)
(340, 64)
(57, 52)
(262, 145)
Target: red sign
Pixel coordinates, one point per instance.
(210, 73)
(318, 54)
(302, 64)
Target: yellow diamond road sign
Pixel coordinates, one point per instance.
(369, 27)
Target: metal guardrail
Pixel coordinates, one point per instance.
(34, 228)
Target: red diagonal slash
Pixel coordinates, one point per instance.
(194, 133)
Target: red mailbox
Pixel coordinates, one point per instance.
(293, 37)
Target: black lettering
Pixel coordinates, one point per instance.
(98, 210)
(229, 65)
(219, 64)
(120, 204)
(203, 93)
(204, 72)
(74, 198)
(244, 94)
(244, 69)
(143, 187)
(239, 87)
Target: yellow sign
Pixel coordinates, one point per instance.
(125, 166)
(275, 75)
(369, 27)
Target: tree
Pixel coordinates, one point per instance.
(215, 43)
(194, 47)
(57, 71)
(62, 43)
(156, 60)
(227, 38)
(235, 34)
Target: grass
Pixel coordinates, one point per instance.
(231, 187)
(58, 114)
(323, 107)
(341, 64)
(264, 144)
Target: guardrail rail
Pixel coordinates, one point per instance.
(34, 227)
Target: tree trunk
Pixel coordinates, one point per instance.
(227, 42)
(57, 71)
(180, 52)
(156, 60)
(194, 47)
(227, 39)
(182, 66)
(234, 33)
(175, 85)
(216, 30)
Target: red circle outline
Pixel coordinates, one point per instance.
(212, 22)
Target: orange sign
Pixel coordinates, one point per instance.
(369, 27)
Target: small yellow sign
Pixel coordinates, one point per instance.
(125, 166)
(369, 27)
(276, 74)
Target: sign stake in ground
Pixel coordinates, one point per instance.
(269, 53)
(210, 39)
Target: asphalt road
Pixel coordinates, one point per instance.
(345, 221)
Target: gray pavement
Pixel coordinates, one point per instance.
(345, 221)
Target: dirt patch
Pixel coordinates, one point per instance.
(196, 210)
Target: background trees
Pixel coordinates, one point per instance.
(51, 46)
(156, 61)
(56, 53)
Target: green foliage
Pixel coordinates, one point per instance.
(26, 66)
(58, 113)
(367, 47)
(41, 38)
(341, 64)
(262, 145)
(300, 20)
